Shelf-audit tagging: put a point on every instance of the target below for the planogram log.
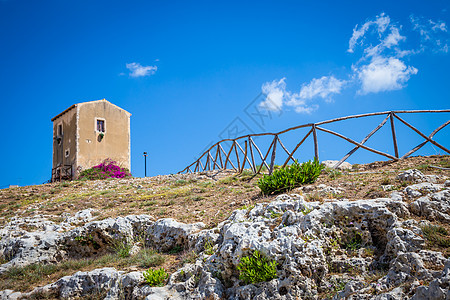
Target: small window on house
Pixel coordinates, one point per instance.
(60, 131)
(101, 126)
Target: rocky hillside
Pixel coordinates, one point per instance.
(375, 231)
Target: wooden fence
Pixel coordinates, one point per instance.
(243, 149)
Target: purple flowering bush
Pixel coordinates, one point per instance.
(107, 169)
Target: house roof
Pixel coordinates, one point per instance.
(75, 105)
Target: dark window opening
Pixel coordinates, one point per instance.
(60, 132)
(101, 125)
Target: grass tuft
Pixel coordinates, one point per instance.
(436, 235)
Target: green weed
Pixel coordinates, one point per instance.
(209, 248)
(290, 177)
(256, 268)
(155, 277)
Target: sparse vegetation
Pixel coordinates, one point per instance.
(209, 248)
(122, 248)
(332, 173)
(436, 235)
(275, 215)
(355, 241)
(87, 240)
(23, 278)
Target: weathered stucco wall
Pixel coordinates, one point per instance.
(68, 139)
(116, 141)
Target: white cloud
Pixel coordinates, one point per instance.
(275, 92)
(376, 37)
(384, 74)
(305, 109)
(137, 70)
(440, 26)
(380, 67)
(393, 38)
(277, 96)
(433, 34)
(323, 87)
(381, 23)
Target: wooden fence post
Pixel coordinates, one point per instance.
(253, 157)
(316, 144)
(394, 138)
(272, 159)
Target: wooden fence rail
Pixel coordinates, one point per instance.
(217, 158)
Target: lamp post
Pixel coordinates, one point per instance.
(145, 164)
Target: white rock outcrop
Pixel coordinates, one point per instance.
(331, 163)
(412, 175)
(166, 234)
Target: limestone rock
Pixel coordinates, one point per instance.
(439, 288)
(434, 207)
(387, 187)
(166, 234)
(22, 248)
(412, 175)
(423, 188)
(325, 190)
(198, 241)
(102, 283)
(51, 243)
(396, 196)
(10, 295)
(99, 237)
(194, 282)
(82, 216)
(331, 163)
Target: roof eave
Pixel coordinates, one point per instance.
(60, 114)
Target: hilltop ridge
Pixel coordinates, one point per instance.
(352, 230)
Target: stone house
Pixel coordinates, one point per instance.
(87, 133)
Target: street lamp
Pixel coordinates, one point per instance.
(145, 164)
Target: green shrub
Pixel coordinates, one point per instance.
(256, 268)
(155, 277)
(290, 177)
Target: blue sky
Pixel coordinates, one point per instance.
(186, 71)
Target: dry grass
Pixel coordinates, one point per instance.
(23, 279)
(207, 197)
